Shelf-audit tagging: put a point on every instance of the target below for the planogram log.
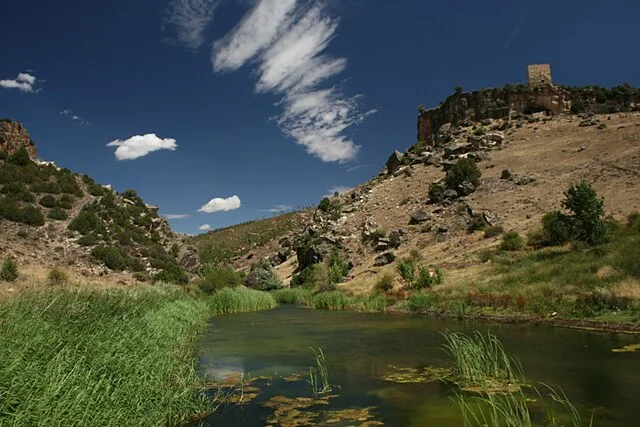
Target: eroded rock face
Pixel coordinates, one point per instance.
(394, 162)
(13, 136)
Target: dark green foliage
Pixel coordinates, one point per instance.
(384, 283)
(479, 131)
(20, 157)
(93, 187)
(45, 187)
(511, 241)
(48, 201)
(436, 192)
(418, 276)
(577, 107)
(90, 239)
(477, 223)
(172, 273)
(58, 214)
(463, 170)
(69, 185)
(57, 277)
(407, 269)
(262, 277)
(303, 278)
(556, 229)
(31, 215)
(493, 231)
(587, 223)
(17, 191)
(218, 277)
(115, 258)
(133, 196)
(86, 222)
(506, 174)
(65, 202)
(9, 209)
(595, 302)
(457, 89)
(338, 267)
(9, 270)
(4, 154)
(427, 278)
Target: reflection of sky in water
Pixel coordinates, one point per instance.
(221, 367)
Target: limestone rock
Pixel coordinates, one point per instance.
(419, 217)
(394, 162)
(385, 258)
(13, 136)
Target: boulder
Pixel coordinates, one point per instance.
(419, 217)
(385, 258)
(495, 137)
(394, 162)
(466, 188)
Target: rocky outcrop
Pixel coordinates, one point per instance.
(499, 103)
(13, 136)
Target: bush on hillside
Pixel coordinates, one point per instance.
(384, 283)
(48, 201)
(65, 202)
(587, 218)
(115, 258)
(86, 222)
(511, 241)
(493, 231)
(556, 229)
(172, 273)
(338, 267)
(463, 170)
(217, 277)
(57, 277)
(31, 215)
(262, 277)
(58, 214)
(4, 154)
(20, 157)
(9, 270)
(436, 192)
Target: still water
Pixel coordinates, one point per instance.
(361, 349)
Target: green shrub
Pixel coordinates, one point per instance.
(48, 201)
(577, 106)
(9, 270)
(384, 283)
(511, 241)
(427, 278)
(506, 174)
(218, 277)
(115, 258)
(31, 215)
(172, 273)
(339, 268)
(57, 277)
(457, 89)
(479, 131)
(436, 192)
(297, 296)
(587, 218)
(463, 170)
(90, 239)
(86, 222)
(303, 278)
(493, 231)
(262, 277)
(45, 187)
(20, 157)
(377, 234)
(58, 214)
(325, 204)
(407, 269)
(69, 185)
(556, 228)
(9, 209)
(633, 221)
(3, 154)
(477, 223)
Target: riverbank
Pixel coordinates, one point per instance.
(109, 357)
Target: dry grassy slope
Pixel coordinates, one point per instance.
(556, 153)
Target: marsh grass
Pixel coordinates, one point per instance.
(297, 296)
(319, 375)
(336, 300)
(240, 299)
(482, 363)
(100, 357)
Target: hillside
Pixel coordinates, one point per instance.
(52, 217)
(543, 153)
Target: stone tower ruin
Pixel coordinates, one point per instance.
(539, 75)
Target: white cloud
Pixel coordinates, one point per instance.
(74, 117)
(287, 38)
(256, 31)
(218, 204)
(337, 189)
(24, 82)
(176, 216)
(190, 19)
(141, 145)
(277, 209)
(204, 227)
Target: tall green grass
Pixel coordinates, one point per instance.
(99, 358)
(240, 299)
(336, 300)
(298, 296)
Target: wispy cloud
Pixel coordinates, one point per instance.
(189, 19)
(356, 167)
(24, 82)
(277, 209)
(141, 145)
(519, 25)
(287, 40)
(219, 204)
(204, 227)
(176, 216)
(337, 189)
(74, 117)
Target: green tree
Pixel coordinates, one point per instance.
(587, 213)
(463, 170)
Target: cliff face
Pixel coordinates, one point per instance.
(13, 136)
(496, 103)
(502, 103)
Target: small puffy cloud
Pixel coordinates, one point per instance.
(337, 189)
(141, 145)
(218, 204)
(277, 209)
(24, 82)
(73, 116)
(190, 19)
(176, 216)
(204, 227)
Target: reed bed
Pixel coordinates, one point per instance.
(100, 357)
(297, 296)
(239, 300)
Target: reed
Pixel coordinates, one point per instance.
(297, 296)
(240, 299)
(319, 375)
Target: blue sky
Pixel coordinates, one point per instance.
(275, 102)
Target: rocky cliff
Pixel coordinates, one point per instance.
(13, 136)
(513, 101)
